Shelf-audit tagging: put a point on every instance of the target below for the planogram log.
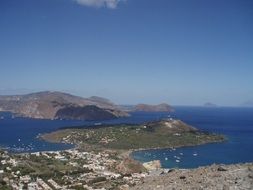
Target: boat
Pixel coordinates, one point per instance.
(177, 161)
(195, 154)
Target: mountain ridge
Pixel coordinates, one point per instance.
(46, 104)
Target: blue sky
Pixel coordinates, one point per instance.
(183, 52)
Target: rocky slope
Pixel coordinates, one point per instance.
(84, 113)
(220, 177)
(52, 105)
(170, 126)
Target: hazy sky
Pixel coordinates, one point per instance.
(184, 52)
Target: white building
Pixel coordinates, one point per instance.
(54, 184)
(33, 186)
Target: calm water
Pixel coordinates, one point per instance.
(235, 123)
(19, 135)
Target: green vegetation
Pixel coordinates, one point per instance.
(45, 168)
(101, 158)
(124, 137)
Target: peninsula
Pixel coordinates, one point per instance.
(166, 133)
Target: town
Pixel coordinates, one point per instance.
(101, 158)
(69, 169)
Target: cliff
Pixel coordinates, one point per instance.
(84, 113)
(237, 176)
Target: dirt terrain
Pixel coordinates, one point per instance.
(220, 177)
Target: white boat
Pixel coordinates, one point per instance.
(177, 161)
(195, 154)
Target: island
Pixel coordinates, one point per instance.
(247, 104)
(210, 105)
(59, 105)
(163, 107)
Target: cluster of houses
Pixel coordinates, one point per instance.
(100, 167)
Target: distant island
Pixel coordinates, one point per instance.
(163, 107)
(59, 105)
(210, 105)
(247, 104)
(153, 108)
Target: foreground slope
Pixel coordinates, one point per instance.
(238, 176)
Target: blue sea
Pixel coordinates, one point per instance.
(19, 135)
(235, 123)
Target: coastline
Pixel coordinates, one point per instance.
(222, 175)
(133, 172)
(68, 136)
(127, 154)
(233, 176)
